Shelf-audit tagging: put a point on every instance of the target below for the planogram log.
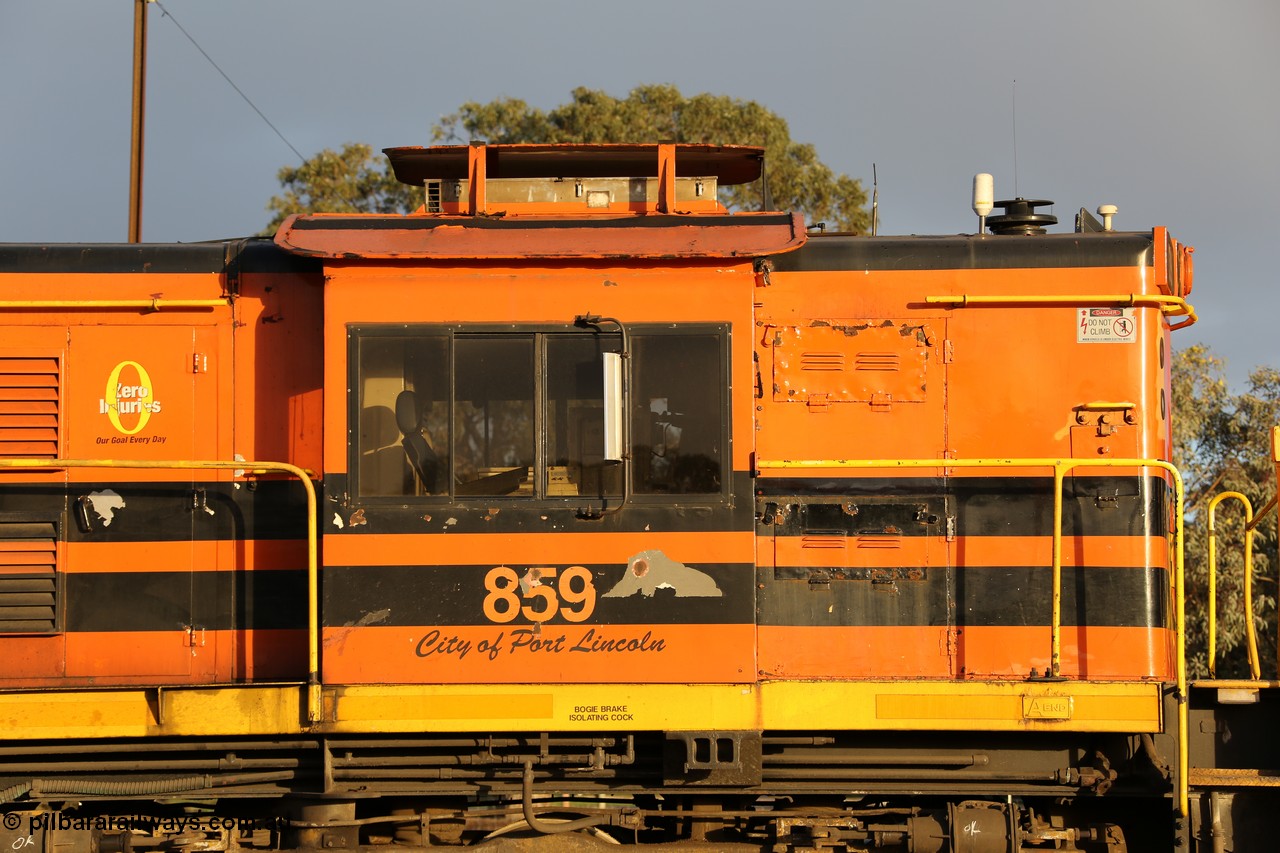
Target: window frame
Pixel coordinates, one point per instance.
(538, 333)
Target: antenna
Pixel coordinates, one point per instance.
(766, 196)
(1015, 139)
(983, 198)
(875, 201)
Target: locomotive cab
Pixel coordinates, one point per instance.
(476, 333)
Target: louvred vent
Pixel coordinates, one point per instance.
(28, 580)
(29, 393)
(878, 361)
(822, 361)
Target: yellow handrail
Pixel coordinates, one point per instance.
(154, 303)
(1060, 467)
(1250, 633)
(313, 602)
(1172, 306)
(1106, 405)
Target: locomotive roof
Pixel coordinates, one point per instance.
(729, 164)
(820, 252)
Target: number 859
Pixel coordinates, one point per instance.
(574, 597)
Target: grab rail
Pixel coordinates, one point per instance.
(1212, 606)
(1251, 522)
(151, 303)
(1170, 306)
(313, 606)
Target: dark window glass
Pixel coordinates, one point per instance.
(403, 391)
(677, 404)
(493, 422)
(575, 418)
(444, 412)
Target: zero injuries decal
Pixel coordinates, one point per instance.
(129, 400)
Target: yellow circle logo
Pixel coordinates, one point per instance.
(124, 399)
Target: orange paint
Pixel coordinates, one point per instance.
(1100, 653)
(975, 551)
(528, 549)
(445, 654)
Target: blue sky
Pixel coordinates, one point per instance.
(1168, 110)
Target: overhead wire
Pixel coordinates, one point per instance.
(354, 202)
(230, 82)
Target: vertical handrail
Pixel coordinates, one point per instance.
(313, 600)
(1060, 467)
(1251, 522)
(1251, 526)
(1250, 632)
(1055, 635)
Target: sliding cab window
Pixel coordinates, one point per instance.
(679, 413)
(448, 412)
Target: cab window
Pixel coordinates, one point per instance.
(454, 412)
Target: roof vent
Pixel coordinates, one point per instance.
(1019, 217)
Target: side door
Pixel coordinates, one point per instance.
(137, 393)
(860, 583)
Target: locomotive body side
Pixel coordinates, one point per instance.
(123, 357)
(685, 516)
(945, 572)
(432, 582)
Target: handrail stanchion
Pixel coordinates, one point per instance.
(1250, 632)
(1055, 626)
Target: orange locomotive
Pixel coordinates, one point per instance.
(575, 482)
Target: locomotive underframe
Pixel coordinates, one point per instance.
(796, 790)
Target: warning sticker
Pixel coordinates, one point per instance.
(1105, 326)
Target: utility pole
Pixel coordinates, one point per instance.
(139, 109)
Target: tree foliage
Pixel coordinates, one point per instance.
(354, 180)
(1222, 443)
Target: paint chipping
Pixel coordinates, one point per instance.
(105, 503)
(531, 578)
(653, 570)
(373, 618)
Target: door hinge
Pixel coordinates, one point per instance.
(200, 363)
(818, 402)
(195, 637)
